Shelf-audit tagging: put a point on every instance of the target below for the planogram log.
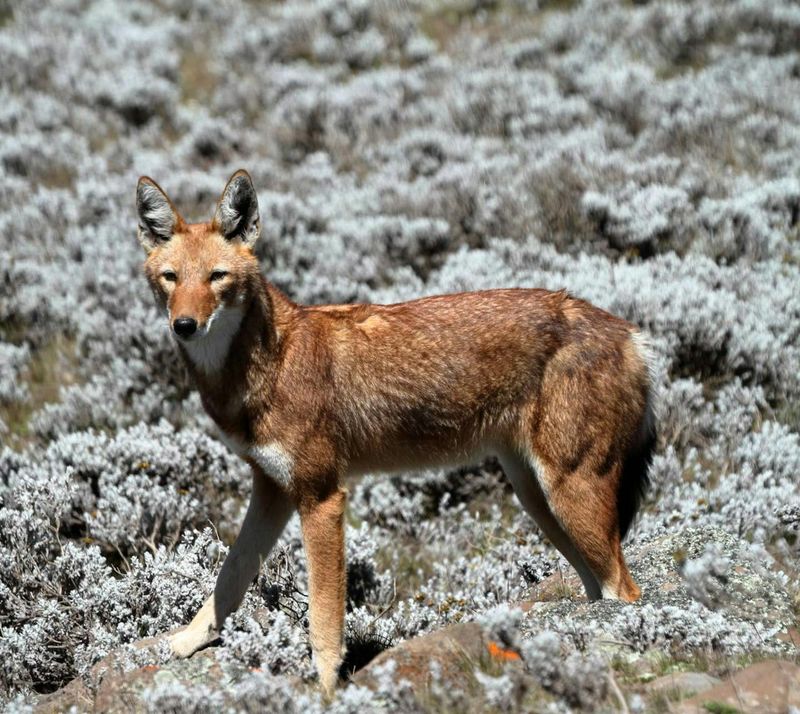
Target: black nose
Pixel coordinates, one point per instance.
(184, 326)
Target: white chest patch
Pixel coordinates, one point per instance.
(209, 347)
(274, 461)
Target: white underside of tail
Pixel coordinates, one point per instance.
(645, 349)
(609, 593)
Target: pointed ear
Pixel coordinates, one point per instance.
(158, 219)
(237, 211)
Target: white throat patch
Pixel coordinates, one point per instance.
(209, 347)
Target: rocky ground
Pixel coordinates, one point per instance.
(645, 156)
(509, 660)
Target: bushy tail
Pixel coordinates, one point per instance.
(635, 479)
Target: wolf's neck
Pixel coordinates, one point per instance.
(244, 351)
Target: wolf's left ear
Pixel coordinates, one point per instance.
(237, 211)
(158, 219)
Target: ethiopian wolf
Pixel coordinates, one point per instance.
(558, 389)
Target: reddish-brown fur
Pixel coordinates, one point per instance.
(555, 384)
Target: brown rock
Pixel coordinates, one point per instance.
(770, 687)
(558, 586)
(76, 694)
(790, 635)
(121, 691)
(453, 648)
(685, 683)
(80, 695)
(113, 685)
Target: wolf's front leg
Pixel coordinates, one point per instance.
(267, 514)
(322, 523)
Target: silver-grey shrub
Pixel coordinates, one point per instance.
(643, 156)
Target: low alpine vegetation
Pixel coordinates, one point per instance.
(646, 157)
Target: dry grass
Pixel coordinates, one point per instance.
(450, 23)
(52, 366)
(197, 77)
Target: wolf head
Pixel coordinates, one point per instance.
(203, 274)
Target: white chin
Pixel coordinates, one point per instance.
(208, 347)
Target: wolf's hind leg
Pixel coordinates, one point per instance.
(525, 480)
(267, 514)
(585, 503)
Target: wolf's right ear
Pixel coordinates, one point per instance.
(158, 218)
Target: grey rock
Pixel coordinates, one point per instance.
(685, 683)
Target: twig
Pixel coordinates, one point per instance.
(387, 608)
(736, 691)
(617, 642)
(623, 705)
(124, 559)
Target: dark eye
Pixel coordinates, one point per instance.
(218, 275)
(170, 276)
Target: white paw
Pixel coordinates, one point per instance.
(185, 643)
